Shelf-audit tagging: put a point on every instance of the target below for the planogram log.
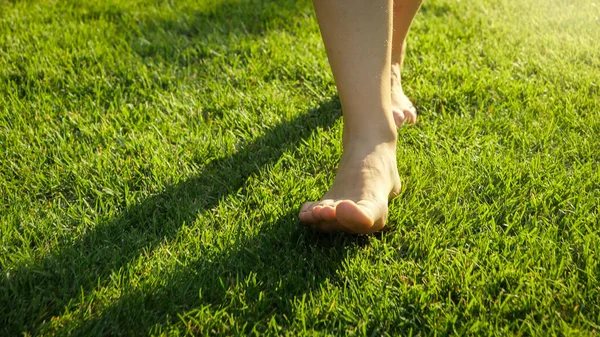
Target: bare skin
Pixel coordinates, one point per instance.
(358, 39)
(357, 202)
(403, 109)
(404, 13)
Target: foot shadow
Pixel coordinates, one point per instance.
(261, 281)
(31, 295)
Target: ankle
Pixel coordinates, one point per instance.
(396, 76)
(398, 54)
(370, 135)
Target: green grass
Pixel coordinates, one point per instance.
(153, 157)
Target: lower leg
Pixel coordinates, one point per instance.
(404, 13)
(357, 36)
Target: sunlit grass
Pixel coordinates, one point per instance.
(153, 156)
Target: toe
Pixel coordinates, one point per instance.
(306, 213)
(410, 115)
(327, 213)
(322, 210)
(405, 116)
(316, 212)
(398, 117)
(362, 218)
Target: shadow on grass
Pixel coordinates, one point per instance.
(32, 295)
(261, 279)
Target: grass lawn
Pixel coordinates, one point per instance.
(154, 155)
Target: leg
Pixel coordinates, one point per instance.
(357, 36)
(402, 107)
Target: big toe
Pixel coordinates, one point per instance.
(361, 217)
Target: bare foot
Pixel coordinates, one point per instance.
(357, 202)
(403, 109)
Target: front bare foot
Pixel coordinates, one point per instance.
(403, 109)
(357, 202)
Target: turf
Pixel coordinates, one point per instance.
(154, 154)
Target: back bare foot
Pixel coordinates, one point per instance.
(403, 109)
(357, 202)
